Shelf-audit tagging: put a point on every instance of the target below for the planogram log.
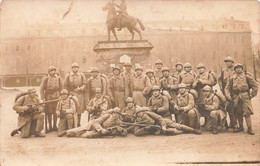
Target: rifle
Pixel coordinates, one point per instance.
(232, 104)
(222, 81)
(142, 125)
(31, 112)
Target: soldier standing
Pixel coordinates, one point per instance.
(212, 109)
(97, 105)
(179, 69)
(225, 75)
(31, 117)
(75, 83)
(94, 82)
(49, 90)
(153, 81)
(128, 75)
(66, 111)
(158, 70)
(187, 76)
(159, 104)
(185, 109)
(117, 88)
(240, 89)
(140, 87)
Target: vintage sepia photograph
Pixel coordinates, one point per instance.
(129, 82)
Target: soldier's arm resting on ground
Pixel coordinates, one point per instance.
(253, 85)
(214, 106)
(72, 108)
(165, 107)
(18, 107)
(190, 105)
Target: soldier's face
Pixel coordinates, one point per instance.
(182, 90)
(98, 94)
(150, 75)
(139, 72)
(187, 69)
(179, 67)
(239, 70)
(201, 70)
(75, 69)
(64, 96)
(158, 65)
(128, 68)
(165, 73)
(156, 93)
(95, 74)
(130, 105)
(206, 93)
(52, 72)
(229, 64)
(116, 71)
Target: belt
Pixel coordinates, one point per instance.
(138, 91)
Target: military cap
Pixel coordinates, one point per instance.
(207, 88)
(229, 58)
(129, 100)
(98, 90)
(165, 69)
(94, 69)
(158, 61)
(116, 67)
(150, 71)
(127, 64)
(51, 68)
(74, 65)
(200, 66)
(182, 85)
(187, 65)
(32, 90)
(156, 87)
(238, 65)
(138, 68)
(64, 91)
(178, 63)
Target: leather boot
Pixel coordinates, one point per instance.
(250, 131)
(240, 129)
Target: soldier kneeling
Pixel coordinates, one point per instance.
(212, 107)
(31, 116)
(66, 111)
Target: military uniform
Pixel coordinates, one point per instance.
(240, 89)
(157, 71)
(177, 73)
(213, 112)
(31, 123)
(49, 90)
(161, 105)
(118, 89)
(128, 76)
(187, 78)
(96, 106)
(98, 127)
(189, 115)
(140, 88)
(66, 108)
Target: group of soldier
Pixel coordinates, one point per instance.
(139, 101)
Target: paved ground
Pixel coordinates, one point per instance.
(149, 150)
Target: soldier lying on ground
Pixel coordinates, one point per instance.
(148, 122)
(106, 125)
(31, 116)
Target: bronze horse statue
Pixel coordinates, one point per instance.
(128, 22)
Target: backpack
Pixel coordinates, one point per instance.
(215, 78)
(194, 93)
(221, 98)
(21, 94)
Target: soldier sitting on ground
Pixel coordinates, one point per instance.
(185, 109)
(97, 105)
(129, 112)
(213, 111)
(31, 116)
(159, 104)
(106, 125)
(66, 111)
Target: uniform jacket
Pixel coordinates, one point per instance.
(50, 87)
(187, 77)
(141, 83)
(161, 103)
(185, 101)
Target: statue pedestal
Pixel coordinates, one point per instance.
(110, 53)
